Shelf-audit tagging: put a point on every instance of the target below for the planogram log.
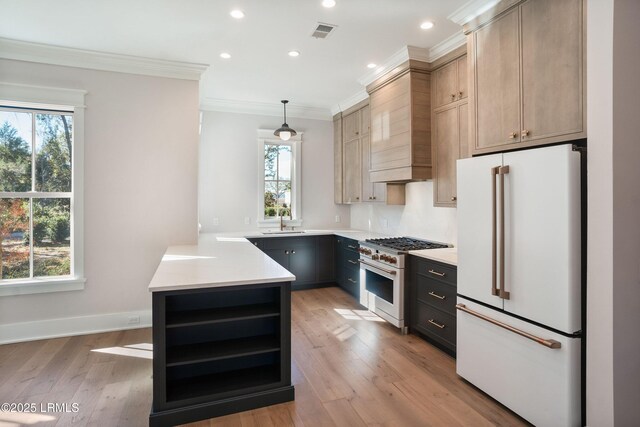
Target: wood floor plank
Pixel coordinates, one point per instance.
(343, 414)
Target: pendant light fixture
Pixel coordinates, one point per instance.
(285, 132)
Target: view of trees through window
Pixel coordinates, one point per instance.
(277, 180)
(35, 193)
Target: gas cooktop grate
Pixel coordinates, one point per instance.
(406, 243)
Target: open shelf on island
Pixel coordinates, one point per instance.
(183, 318)
(217, 350)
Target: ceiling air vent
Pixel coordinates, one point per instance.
(322, 31)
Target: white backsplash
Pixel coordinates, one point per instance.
(418, 218)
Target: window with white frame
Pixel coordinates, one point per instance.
(40, 214)
(279, 179)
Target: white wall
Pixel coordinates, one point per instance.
(418, 218)
(141, 151)
(229, 168)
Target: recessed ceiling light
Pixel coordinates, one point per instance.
(237, 13)
(328, 3)
(372, 65)
(294, 53)
(225, 55)
(426, 25)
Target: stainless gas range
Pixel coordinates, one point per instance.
(382, 277)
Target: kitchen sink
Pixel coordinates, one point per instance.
(284, 232)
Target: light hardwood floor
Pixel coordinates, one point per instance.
(347, 370)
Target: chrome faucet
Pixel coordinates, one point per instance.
(281, 222)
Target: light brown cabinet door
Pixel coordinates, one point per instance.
(446, 145)
(463, 85)
(371, 192)
(497, 78)
(463, 131)
(351, 126)
(365, 120)
(446, 84)
(352, 184)
(337, 160)
(552, 80)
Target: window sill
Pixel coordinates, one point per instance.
(41, 286)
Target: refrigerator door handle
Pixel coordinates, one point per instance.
(502, 171)
(494, 226)
(553, 344)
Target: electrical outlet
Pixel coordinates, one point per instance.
(216, 221)
(134, 320)
(337, 218)
(247, 220)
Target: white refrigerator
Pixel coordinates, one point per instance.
(519, 281)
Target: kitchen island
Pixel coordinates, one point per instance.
(221, 331)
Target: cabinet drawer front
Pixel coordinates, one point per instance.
(437, 294)
(436, 323)
(350, 245)
(435, 270)
(288, 242)
(351, 258)
(351, 280)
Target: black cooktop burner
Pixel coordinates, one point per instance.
(406, 243)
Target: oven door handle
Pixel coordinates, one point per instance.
(393, 272)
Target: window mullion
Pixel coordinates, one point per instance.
(31, 238)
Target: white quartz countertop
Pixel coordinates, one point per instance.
(214, 262)
(446, 255)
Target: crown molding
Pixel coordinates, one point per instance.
(471, 10)
(264, 108)
(398, 58)
(349, 102)
(57, 55)
(447, 45)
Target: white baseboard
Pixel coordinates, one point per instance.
(70, 326)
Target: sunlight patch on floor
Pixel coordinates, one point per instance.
(142, 350)
(17, 419)
(358, 315)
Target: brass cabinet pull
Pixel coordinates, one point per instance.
(494, 232)
(351, 280)
(352, 261)
(453, 97)
(436, 323)
(460, 95)
(502, 172)
(542, 341)
(437, 273)
(524, 133)
(512, 135)
(441, 297)
(357, 198)
(454, 198)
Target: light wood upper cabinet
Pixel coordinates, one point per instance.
(371, 191)
(450, 82)
(401, 124)
(446, 143)
(351, 126)
(352, 185)
(551, 53)
(497, 76)
(337, 158)
(527, 82)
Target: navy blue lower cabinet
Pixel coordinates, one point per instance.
(432, 312)
(219, 351)
(347, 265)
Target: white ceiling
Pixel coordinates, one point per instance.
(260, 70)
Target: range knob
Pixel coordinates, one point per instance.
(392, 260)
(374, 257)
